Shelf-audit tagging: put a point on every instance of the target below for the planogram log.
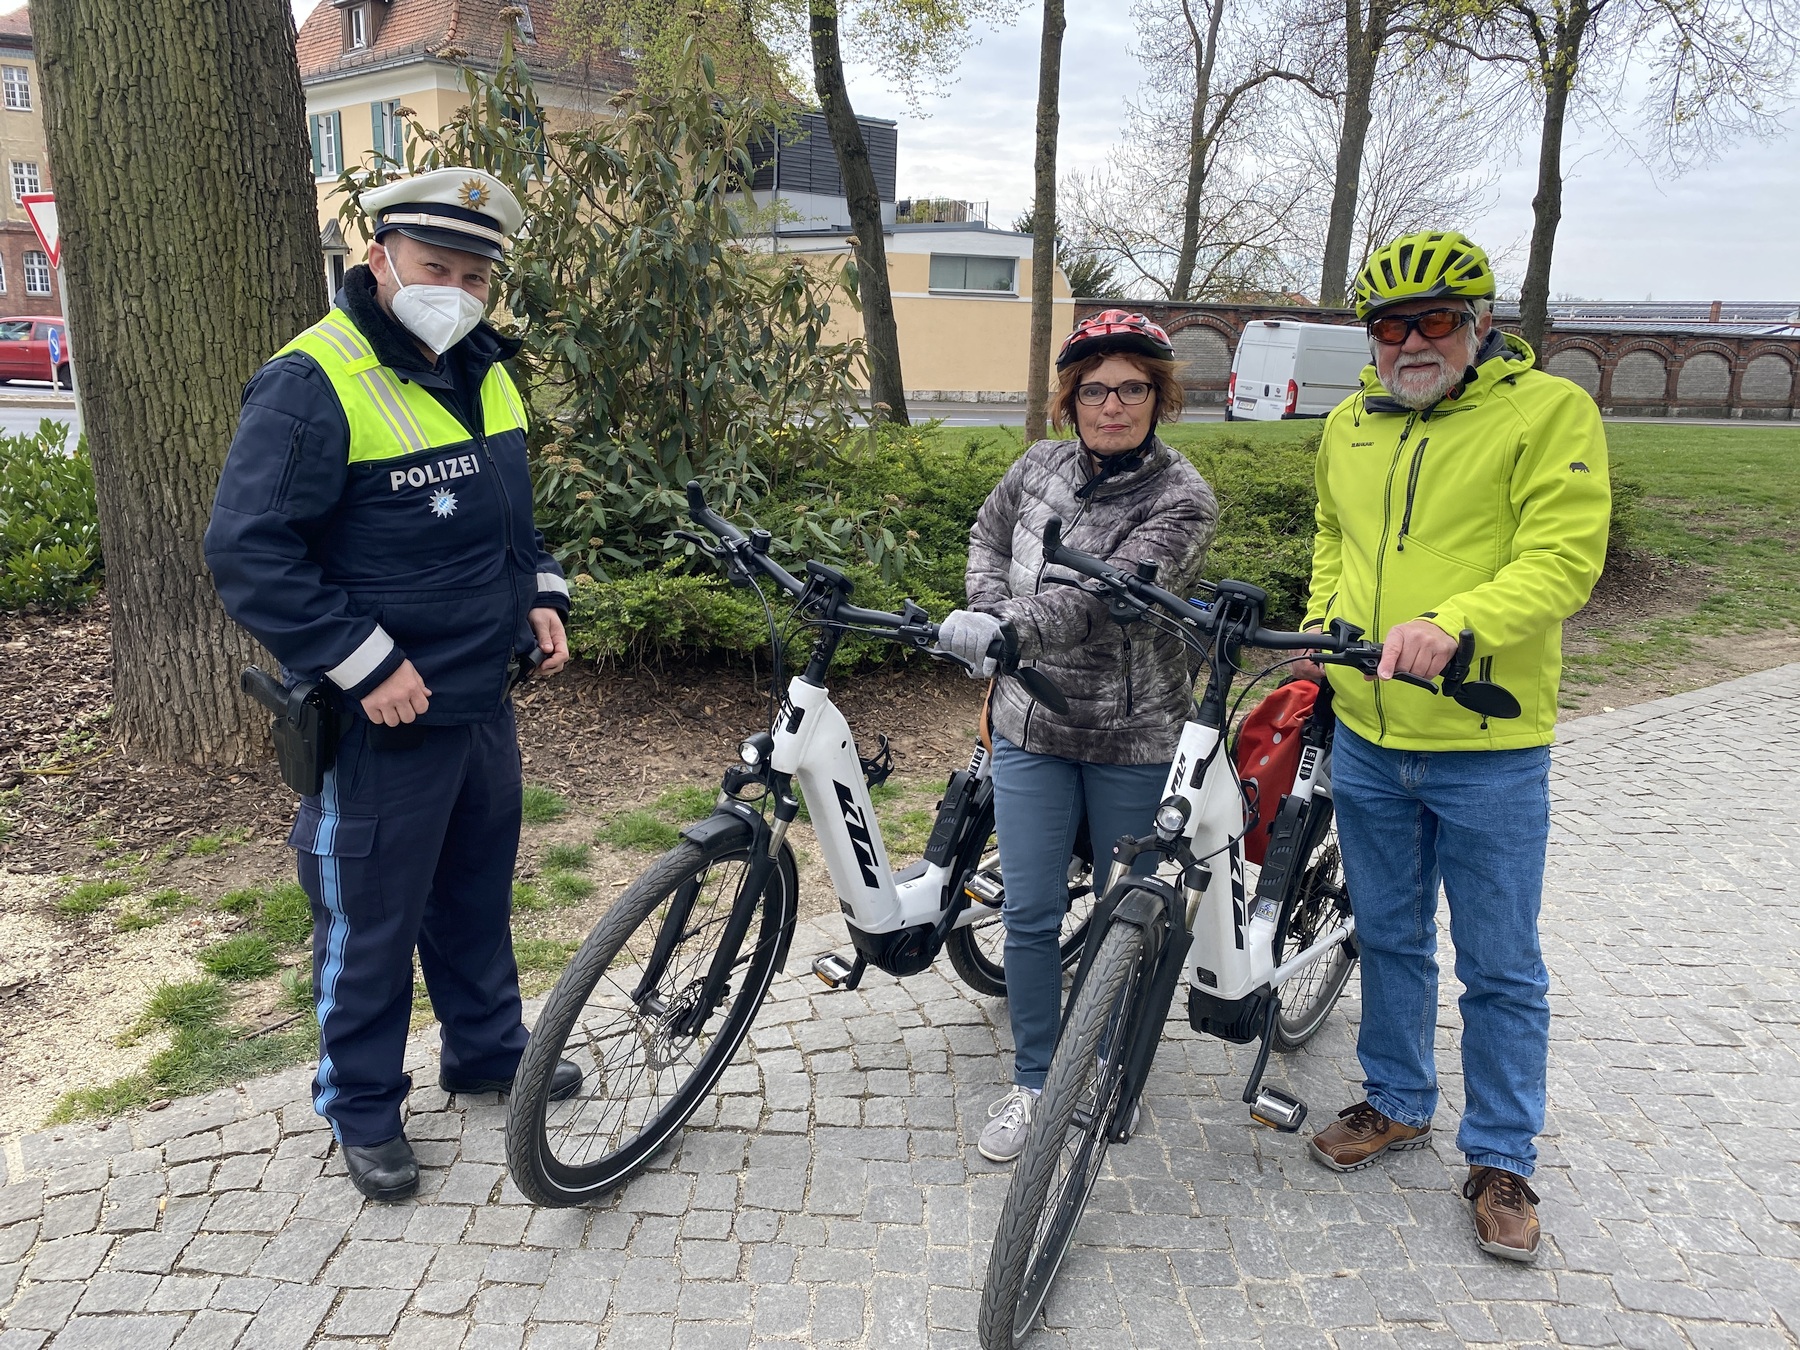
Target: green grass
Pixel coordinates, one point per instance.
(526, 895)
(537, 955)
(1722, 499)
(91, 896)
(657, 827)
(248, 956)
(204, 1052)
(168, 898)
(296, 990)
(191, 1003)
(642, 830)
(542, 806)
(279, 910)
(566, 888)
(132, 920)
(566, 858)
(209, 844)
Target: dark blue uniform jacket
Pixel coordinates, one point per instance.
(311, 552)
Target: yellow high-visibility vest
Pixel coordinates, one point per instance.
(390, 417)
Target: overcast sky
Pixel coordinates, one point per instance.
(1725, 231)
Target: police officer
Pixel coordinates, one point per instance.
(373, 530)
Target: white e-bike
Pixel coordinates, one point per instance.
(1265, 952)
(663, 991)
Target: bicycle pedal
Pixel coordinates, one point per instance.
(1277, 1110)
(836, 972)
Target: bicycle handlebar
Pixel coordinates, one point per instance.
(1342, 644)
(744, 553)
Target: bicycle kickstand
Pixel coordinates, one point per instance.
(1271, 1106)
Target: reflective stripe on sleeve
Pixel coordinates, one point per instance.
(355, 668)
(549, 581)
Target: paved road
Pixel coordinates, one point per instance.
(831, 1196)
(21, 411)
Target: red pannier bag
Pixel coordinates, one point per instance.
(1268, 757)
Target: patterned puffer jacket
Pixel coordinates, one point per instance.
(1128, 688)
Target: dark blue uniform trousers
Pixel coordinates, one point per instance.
(403, 849)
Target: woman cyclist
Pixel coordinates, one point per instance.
(1125, 496)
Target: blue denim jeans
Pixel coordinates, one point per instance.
(1480, 820)
(1039, 801)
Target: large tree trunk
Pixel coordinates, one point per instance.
(1043, 222)
(1362, 53)
(1200, 138)
(885, 383)
(1546, 206)
(190, 258)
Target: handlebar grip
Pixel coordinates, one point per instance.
(1052, 538)
(1458, 668)
(703, 515)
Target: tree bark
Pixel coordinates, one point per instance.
(1546, 205)
(190, 258)
(1200, 138)
(1043, 222)
(885, 383)
(1363, 42)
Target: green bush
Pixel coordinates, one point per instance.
(49, 524)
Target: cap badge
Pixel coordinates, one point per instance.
(473, 194)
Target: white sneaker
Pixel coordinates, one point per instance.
(1009, 1123)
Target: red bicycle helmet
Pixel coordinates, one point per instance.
(1114, 330)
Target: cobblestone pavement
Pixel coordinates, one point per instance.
(832, 1194)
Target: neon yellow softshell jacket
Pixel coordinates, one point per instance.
(1487, 512)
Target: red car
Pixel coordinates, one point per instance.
(25, 348)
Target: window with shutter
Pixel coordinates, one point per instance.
(956, 272)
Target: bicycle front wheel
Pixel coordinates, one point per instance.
(621, 1011)
(977, 950)
(1319, 904)
(1067, 1144)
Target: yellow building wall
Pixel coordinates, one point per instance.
(961, 346)
(431, 107)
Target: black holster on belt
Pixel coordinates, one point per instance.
(306, 728)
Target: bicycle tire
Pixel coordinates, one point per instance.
(1066, 1145)
(977, 950)
(682, 1070)
(1320, 902)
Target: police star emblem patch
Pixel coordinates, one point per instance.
(443, 505)
(473, 194)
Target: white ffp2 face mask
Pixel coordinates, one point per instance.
(439, 316)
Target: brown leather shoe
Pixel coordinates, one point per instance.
(1362, 1134)
(1506, 1221)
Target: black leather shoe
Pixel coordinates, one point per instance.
(565, 1082)
(383, 1171)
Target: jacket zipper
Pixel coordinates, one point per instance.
(1037, 589)
(1412, 486)
(1128, 697)
(1387, 519)
(507, 527)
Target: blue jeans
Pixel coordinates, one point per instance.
(1480, 819)
(1039, 801)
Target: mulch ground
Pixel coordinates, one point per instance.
(605, 738)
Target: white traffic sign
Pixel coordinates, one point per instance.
(40, 207)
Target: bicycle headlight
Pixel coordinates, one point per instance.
(1171, 817)
(751, 753)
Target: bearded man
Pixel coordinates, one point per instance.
(1460, 489)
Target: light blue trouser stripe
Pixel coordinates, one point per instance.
(330, 892)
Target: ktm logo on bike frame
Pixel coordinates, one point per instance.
(859, 835)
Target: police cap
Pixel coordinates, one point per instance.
(452, 208)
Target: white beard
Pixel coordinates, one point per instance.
(1421, 379)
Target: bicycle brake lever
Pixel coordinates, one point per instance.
(1418, 680)
(700, 542)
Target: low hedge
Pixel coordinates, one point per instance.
(49, 526)
(941, 478)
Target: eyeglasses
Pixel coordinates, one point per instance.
(1393, 329)
(1131, 393)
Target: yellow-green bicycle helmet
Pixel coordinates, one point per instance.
(1420, 266)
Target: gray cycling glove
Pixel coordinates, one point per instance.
(967, 634)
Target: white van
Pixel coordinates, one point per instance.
(1284, 368)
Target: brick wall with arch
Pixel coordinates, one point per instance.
(1629, 371)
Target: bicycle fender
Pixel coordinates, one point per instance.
(1144, 901)
(734, 822)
